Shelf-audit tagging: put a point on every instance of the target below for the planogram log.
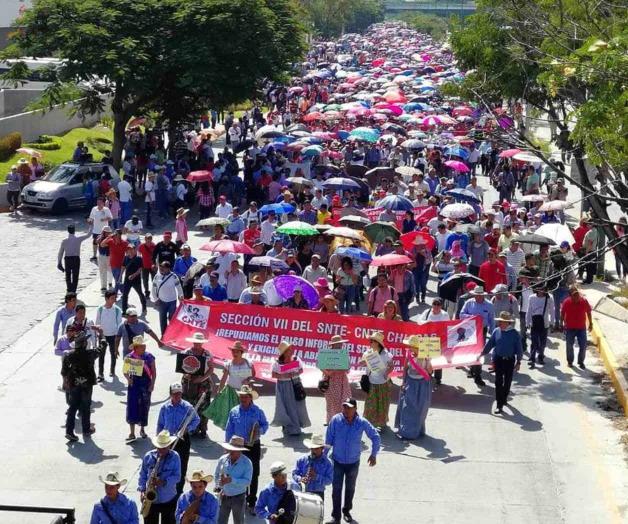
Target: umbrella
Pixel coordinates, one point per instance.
(457, 151)
(392, 259)
(331, 168)
(311, 117)
(298, 127)
(353, 211)
(339, 183)
(375, 175)
(367, 134)
(525, 156)
(456, 165)
(535, 239)
(285, 284)
(299, 181)
(344, 232)
(456, 211)
(533, 198)
(297, 227)
(507, 153)
(463, 194)
(555, 205)
(357, 170)
(426, 215)
(377, 232)
(394, 128)
(413, 143)
(354, 220)
(312, 151)
(268, 132)
(407, 240)
(271, 262)
(200, 176)
(557, 232)
(279, 208)
(227, 246)
(450, 288)
(408, 172)
(29, 151)
(355, 253)
(396, 203)
(213, 221)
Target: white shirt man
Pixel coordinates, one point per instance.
(133, 231)
(267, 230)
(181, 191)
(314, 271)
(475, 189)
(319, 200)
(166, 287)
(99, 217)
(224, 208)
(149, 191)
(124, 189)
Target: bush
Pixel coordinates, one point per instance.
(9, 144)
(47, 146)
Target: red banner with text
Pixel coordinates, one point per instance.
(261, 329)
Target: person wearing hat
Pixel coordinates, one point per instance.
(314, 471)
(478, 305)
(338, 387)
(132, 327)
(254, 293)
(504, 301)
(505, 343)
(140, 388)
(290, 411)
(233, 475)
(297, 300)
(181, 225)
(322, 286)
(378, 399)
(195, 385)
(14, 186)
(315, 273)
(165, 485)
(69, 257)
(344, 435)
(511, 274)
(166, 291)
(247, 420)
(207, 509)
(539, 318)
(329, 304)
(180, 194)
(276, 496)
(114, 506)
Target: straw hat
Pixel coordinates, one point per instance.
(236, 443)
(238, 346)
(378, 336)
(256, 290)
(283, 347)
(317, 441)
(256, 281)
(337, 339)
(478, 290)
(248, 390)
(163, 439)
(414, 341)
(182, 211)
(199, 476)
(500, 288)
(505, 316)
(197, 338)
(112, 479)
(330, 298)
(139, 340)
(178, 178)
(277, 467)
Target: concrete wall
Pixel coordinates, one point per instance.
(54, 122)
(13, 101)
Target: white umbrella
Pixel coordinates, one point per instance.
(268, 132)
(344, 232)
(527, 157)
(457, 211)
(557, 232)
(555, 205)
(534, 198)
(407, 172)
(212, 221)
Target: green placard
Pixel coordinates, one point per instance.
(429, 347)
(332, 359)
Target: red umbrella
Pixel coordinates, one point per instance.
(392, 259)
(227, 246)
(507, 153)
(310, 117)
(407, 240)
(426, 215)
(200, 176)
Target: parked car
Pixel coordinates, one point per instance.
(62, 188)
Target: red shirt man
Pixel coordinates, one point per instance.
(579, 234)
(117, 249)
(146, 251)
(492, 271)
(575, 311)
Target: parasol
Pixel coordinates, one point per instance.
(297, 227)
(456, 211)
(227, 246)
(531, 238)
(285, 284)
(200, 176)
(212, 221)
(557, 232)
(344, 232)
(408, 240)
(392, 259)
(395, 203)
(339, 183)
(456, 165)
(451, 287)
(555, 205)
(377, 232)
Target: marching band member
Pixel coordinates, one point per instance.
(249, 421)
(115, 506)
(314, 470)
(195, 386)
(275, 495)
(172, 414)
(165, 481)
(198, 505)
(233, 476)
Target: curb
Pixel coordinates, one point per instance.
(610, 363)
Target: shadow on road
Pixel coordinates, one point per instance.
(88, 452)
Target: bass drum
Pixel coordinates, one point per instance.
(309, 509)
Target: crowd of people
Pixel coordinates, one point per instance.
(361, 163)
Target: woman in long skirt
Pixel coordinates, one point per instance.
(140, 388)
(378, 399)
(415, 396)
(238, 371)
(290, 413)
(339, 388)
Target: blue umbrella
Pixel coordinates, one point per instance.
(312, 151)
(395, 203)
(277, 146)
(457, 151)
(339, 183)
(343, 135)
(368, 134)
(463, 194)
(355, 253)
(279, 208)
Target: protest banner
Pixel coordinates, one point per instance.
(328, 358)
(133, 367)
(262, 328)
(374, 362)
(429, 347)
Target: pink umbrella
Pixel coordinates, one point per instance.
(200, 176)
(310, 117)
(507, 153)
(29, 152)
(392, 259)
(432, 121)
(462, 111)
(456, 165)
(227, 246)
(394, 96)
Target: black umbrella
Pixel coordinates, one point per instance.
(330, 168)
(357, 170)
(377, 174)
(531, 238)
(450, 288)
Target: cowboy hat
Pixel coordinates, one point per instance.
(337, 339)
(163, 439)
(317, 441)
(197, 338)
(112, 479)
(478, 290)
(178, 178)
(277, 467)
(414, 341)
(236, 443)
(238, 346)
(139, 341)
(377, 336)
(505, 316)
(283, 347)
(182, 210)
(256, 290)
(330, 298)
(199, 476)
(256, 280)
(500, 288)
(176, 387)
(248, 390)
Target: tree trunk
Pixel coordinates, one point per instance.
(121, 114)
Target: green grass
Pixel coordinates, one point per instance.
(97, 139)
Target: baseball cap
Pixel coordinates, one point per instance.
(131, 312)
(176, 387)
(350, 402)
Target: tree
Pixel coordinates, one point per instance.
(332, 18)
(168, 56)
(567, 59)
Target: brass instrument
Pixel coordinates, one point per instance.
(253, 435)
(151, 489)
(191, 512)
(218, 488)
